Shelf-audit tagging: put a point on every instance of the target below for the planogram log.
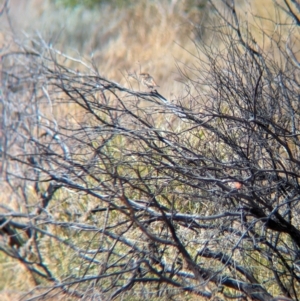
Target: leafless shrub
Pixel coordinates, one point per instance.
(132, 195)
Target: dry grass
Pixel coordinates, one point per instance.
(149, 36)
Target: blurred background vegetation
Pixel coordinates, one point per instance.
(119, 36)
(92, 4)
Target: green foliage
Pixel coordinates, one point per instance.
(188, 4)
(92, 3)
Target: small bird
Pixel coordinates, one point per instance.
(148, 81)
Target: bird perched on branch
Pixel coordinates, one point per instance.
(148, 81)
